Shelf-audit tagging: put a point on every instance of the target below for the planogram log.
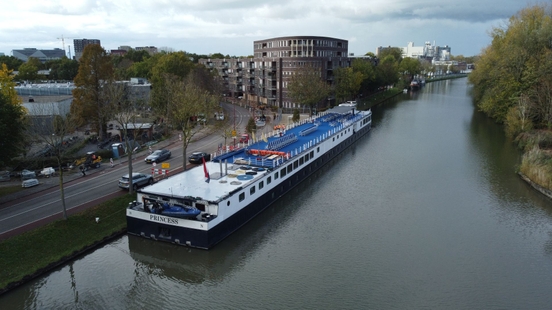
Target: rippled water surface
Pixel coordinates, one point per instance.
(425, 212)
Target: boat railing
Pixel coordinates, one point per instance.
(282, 142)
(309, 130)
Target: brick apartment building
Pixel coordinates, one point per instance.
(263, 79)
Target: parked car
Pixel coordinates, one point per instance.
(244, 138)
(197, 157)
(27, 174)
(158, 156)
(5, 176)
(47, 172)
(29, 183)
(138, 180)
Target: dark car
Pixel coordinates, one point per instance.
(197, 157)
(158, 156)
(138, 180)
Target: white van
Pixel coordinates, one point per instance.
(29, 183)
(47, 172)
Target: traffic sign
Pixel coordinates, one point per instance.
(165, 165)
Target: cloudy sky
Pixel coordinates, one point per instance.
(230, 26)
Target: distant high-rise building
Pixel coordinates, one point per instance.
(429, 51)
(42, 55)
(80, 44)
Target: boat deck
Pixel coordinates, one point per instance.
(234, 170)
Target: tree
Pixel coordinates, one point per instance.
(517, 62)
(251, 127)
(27, 72)
(12, 124)
(518, 119)
(12, 129)
(136, 56)
(394, 52)
(307, 88)
(125, 113)
(95, 70)
(168, 66)
(296, 116)
(410, 67)
(387, 71)
(54, 130)
(7, 86)
(11, 62)
(347, 83)
(186, 100)
(367, 69)
(64, 69)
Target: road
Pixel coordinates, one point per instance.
(45, 206)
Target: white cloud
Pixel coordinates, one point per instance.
(231, 26)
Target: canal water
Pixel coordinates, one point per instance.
(425, 212)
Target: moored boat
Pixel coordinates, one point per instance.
(235, 186)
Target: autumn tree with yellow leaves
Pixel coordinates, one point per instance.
(12, 125)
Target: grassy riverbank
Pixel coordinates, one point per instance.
(6, 190)
(536, 161)
(32, 253)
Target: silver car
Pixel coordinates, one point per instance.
(138, 180)
(158, 156)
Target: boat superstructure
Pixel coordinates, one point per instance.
(235, 186)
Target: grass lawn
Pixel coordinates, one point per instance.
(6, 190)
(47, 246)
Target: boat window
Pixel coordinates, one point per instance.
(283, 172)
(289, 168)
(301, 160)
(275, 175)
(252, 190)
(295, 164)
(318, 150)
(242, 196)
(228, 203)
(200, 206)
(261, 185)
(312, 153)
(268, 180)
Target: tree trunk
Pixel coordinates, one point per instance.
(61, 189)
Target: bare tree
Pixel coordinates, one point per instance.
(125, 113)
(187, 101)
(52, 125)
